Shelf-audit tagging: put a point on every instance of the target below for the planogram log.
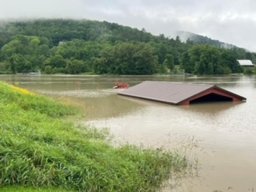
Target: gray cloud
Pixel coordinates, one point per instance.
(225, 20)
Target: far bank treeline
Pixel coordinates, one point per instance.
(70, 46)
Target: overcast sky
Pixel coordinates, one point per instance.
(231, 21)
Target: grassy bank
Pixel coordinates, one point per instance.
(39, 149)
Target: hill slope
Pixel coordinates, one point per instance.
(84, 46)
(204, 40)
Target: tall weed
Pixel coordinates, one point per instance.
(39, 149)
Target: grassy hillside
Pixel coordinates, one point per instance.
(39, 149)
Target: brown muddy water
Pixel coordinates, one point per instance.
(220, 138)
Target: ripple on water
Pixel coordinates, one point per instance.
(80, 93)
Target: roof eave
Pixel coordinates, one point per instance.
(212, 87)
(147, 98)
(182, 101)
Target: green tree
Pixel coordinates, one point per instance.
(57, 63)
(127, 58)
(24, 53)
(186, 63)
(169, 62)
(18, 63)
(75, 66)
(209, 60)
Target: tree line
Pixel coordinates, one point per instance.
(73, 47)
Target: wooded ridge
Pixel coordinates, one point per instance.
(84, 46)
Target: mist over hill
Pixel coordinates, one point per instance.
(202, 40)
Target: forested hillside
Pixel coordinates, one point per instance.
(83, 46)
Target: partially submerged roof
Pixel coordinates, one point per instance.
(180, 93)
(244, 62)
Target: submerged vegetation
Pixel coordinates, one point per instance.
(83, 46)
(40, 150)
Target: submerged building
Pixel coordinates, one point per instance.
(245, 63)
(180, 93)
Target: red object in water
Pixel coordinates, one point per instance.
(121, 85)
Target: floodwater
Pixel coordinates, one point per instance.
(218, 138)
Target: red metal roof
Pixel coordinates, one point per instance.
(169, 92)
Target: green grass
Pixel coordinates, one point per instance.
(41, 150)
(30, 189)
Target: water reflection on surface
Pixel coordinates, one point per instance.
(221, 136)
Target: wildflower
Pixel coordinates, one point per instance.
(21, 90)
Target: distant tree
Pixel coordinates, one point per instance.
(228, 58)
(186, 63)
(203, 60)
(177, 39)
(18, 63)
(24, 53)
(128, 58)
(57, 64)
(100, 66)
(75, 67)
(169, 62)
(48, 69)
